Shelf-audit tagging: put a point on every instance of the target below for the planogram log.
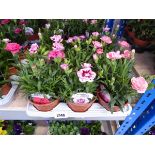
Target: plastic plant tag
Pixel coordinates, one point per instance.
(83, 95)
(14, 77)
(24, 61)
(82, 98)
(40, 95)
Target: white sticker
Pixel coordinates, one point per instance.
(60, 115)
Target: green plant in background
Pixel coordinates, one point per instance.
(74, 27)
(63, 128)
(144, 29)
(2, 130)
(17, 127)
(13, 30)
(69, 28)
(94, 25)
(75, 128)
(54, 26)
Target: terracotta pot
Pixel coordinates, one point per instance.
(129, 32)
(12, 71)
(140, 43)
(46, 107)
(33, 37)
(106, 105)
(5, 89)
(80, 107)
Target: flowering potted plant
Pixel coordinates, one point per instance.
(81, 52)
(79, 78)
(40, 77)
(79, 88)
(115, 77)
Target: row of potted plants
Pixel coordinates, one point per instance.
(77, 70)
(15, 30)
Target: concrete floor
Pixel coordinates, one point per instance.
(145, 64)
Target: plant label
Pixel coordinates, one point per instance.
(60, 115)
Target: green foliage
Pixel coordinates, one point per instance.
(74, 127)
(40, 76)
(144, 28)
(20, 127)
(7, 31)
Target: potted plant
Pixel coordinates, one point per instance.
(82, 55)
(79, 88)
(115, 78)
(143, 31)
(40, 77)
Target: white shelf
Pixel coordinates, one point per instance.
(20, 109)
(96, 112)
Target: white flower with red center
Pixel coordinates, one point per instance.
(86, 75)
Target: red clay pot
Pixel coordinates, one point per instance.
(140, 43)
(80, 107)
(5, 89)
(12, 71)
(106, 105)
(129, 32)
(46, 107)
